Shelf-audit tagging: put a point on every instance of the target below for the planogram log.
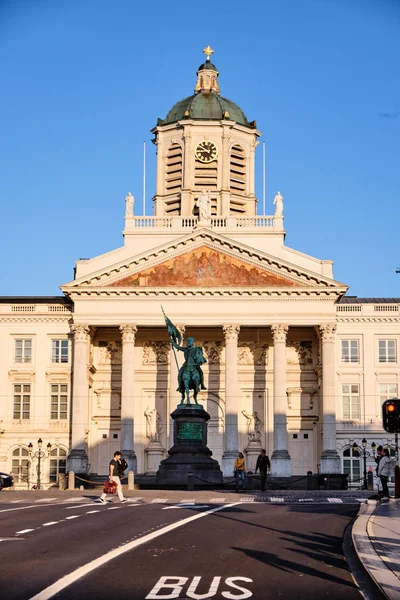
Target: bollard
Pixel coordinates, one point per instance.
(397, 482)
(71, 480)
(249, 480)
(370, 480)
(62, 480)
(131, 480)
(309, 480)
(190, 482)
(325, 483)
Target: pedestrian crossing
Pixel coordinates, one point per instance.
(265, 498)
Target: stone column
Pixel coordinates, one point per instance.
(174, 397)
(330, 459)
(280, 459)
(78, 459)
(128, 333)
(231, 448)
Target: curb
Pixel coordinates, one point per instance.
(381, 575)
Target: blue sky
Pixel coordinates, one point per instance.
(83, 82)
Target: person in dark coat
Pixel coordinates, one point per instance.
(264, 466)
(379, 456)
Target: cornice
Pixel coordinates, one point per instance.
(29, 318)
(368, 320)
(121, 294)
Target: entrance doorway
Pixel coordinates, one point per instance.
(301, 444)
(108, 441)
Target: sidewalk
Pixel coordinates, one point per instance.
(376, 538)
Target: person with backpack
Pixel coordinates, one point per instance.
(384, 472)
(264, 466)
(117, 468)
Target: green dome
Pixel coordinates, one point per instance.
(206, 107)
(208, 66)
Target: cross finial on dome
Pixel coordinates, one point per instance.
(208, 51)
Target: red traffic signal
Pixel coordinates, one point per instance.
(391, 415)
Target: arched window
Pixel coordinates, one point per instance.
(58, 463)
(20, 464)
(352, 464)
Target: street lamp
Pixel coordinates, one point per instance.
(39, 454)
(364, 453)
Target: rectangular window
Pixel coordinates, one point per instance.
(350, 353)
(23, 351)
(387, 351)
(59, 400)
(387, 391)
(351, 401)
(59, 351)
(22, 401)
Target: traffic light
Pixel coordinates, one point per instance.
(391, 415)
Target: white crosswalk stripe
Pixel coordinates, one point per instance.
(276, 499)
(159, 501)
(335, 500)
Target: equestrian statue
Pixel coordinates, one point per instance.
(190, 374)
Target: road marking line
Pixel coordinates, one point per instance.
(159, 501)
(74, 499)
(134, 504)
(247, 499)
(335, 500)
(23, 531)
(64, 582)
(90, 512)
(114, 508)
(20, 508)
(76, 506)
(15, 501)
(50, 523)
(46, 500)
(72, 517)
(11, 539)
(133, 499)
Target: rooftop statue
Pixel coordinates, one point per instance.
(204, 205)
(278, 201)
(129, 202)
(190, 375)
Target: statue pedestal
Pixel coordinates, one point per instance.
(189, 454)
(154, 453)
(252, 452)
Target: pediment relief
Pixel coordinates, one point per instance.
(204, 267)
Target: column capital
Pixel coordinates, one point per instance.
(231, 332)
(128, 333)
(327, 332)
(279, 332)
(80, 332)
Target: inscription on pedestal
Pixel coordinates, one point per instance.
(190, 431)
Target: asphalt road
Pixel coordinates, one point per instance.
(146, 551)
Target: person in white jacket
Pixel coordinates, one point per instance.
(384, 470)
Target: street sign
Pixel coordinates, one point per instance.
(391, 415)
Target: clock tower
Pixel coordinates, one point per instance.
(205, 144)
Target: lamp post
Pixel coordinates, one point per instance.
(39, 454)
(364, 453)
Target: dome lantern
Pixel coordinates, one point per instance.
(207, 75)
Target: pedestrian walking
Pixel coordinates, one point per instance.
(263, 465)
(240, 471)
(117, 468)
(384, 471)
(379, 455)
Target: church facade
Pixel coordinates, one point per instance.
(293, 364)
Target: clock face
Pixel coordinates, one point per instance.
(206, 151)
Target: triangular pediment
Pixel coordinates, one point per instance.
(203, 260)
(203, 267)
